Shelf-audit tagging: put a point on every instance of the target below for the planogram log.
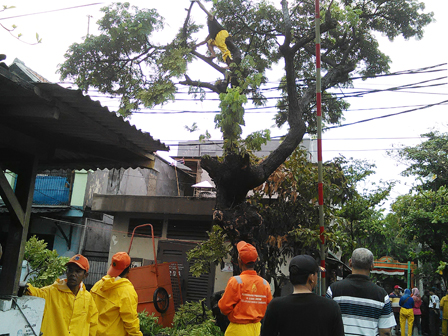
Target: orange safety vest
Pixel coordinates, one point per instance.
(246, 298)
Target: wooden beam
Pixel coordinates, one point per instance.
(10, 199)
(17, 234)
(31, 111)
(17, 142)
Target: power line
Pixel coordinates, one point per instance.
(356, 94)
(220, 142)
(53, 10)
(387, 115)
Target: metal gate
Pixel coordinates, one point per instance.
(193, 288)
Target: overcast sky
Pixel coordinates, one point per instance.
(369, 140)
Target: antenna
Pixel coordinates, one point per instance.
(88, 24)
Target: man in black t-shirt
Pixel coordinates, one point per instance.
(303, 312)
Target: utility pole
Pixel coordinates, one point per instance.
(319, 148)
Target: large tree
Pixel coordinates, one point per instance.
(423, 212)
(124, 60)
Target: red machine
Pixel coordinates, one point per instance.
(154, 286)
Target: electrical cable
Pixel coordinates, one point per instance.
(50, 11)
(387, 115)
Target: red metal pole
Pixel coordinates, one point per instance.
(153, 244)
(319, 145)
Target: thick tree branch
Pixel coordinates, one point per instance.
(209, 62)
(187, 19)
(287, 25)
(190, 82)
(311, 35)
(295, 113)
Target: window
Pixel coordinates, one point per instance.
(188, 229)
(157, 224)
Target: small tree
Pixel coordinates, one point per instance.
(46, 266)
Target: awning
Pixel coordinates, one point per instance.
(203, 184)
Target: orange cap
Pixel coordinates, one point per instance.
(79, 260)
(248, 253)
(120, 261)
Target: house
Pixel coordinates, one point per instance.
(163, 181)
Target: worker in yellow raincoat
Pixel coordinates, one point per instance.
(219, 37)
(69, 307)
(116, 300)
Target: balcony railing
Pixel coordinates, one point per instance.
(53, 188)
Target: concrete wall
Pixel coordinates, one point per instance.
(119, 242)
(160, 181)
(167, 177)
(198, 149)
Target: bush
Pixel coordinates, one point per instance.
(192, 319)
(46, 266)
(149, 324)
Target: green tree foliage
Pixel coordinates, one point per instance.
(191, 319)
(423, 212)
(291, 219)
(149, 324)
(360, 216)
(124, 60)
(215, 249)
(288, 203)
(428, 161)
(388, 238)
(46, 266)
(194, 319)
(424, 219)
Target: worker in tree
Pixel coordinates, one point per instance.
(219, 37)
(69, 307)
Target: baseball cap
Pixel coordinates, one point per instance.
(79, 260)
(247, 252)
(397, 287)
(120, 261)
(304, 264)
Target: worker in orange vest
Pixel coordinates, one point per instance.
(246, 297)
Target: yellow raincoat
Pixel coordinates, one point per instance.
(116, 301)
(66, 314)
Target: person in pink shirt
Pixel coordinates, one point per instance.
(417, 312)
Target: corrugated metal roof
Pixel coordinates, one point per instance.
(66, 129)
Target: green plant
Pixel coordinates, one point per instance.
(149, 324)
(194, 319)
(46, 266)
(212, 250)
